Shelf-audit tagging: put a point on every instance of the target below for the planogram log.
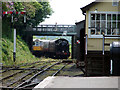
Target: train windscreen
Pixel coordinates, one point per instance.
(62, 46)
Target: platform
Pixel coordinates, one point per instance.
(80, 83)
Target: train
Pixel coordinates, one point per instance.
(58, 48)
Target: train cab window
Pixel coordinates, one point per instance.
(64, 43)
(36, 43)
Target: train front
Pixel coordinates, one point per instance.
(62, 48)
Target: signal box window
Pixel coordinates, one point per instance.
(115, 2)
(101, 23)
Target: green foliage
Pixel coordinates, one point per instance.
(7, 31)
(23, 55)
(36, 12)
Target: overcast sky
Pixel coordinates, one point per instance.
(66, 11)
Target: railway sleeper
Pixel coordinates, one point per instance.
(34, 84)
(13, 74)
(34, 76)
(25, 76)
(58, 71)
(29, 85)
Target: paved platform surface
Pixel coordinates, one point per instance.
(112, 83)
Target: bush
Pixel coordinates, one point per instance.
(23, 54)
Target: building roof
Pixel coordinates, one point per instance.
(85, 8)
(80, 22)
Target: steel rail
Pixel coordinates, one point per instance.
(27, 69)
(25, 76)
(29, 85)
(20, 65)
(58, 71)
(8, 69)
(33, 84)
(10, 75)
(13, 74)
(3, 71)
(34, 76)
(28, 64)
(31, 68)
(15, 68)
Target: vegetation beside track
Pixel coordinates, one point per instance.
(23, 55)
(36, 12)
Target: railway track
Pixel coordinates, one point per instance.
(29, 75)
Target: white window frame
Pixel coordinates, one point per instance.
(89, 23)
(115, 1)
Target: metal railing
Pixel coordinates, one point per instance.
(107, 44)
(86, 37)
(54, 28)
(104, 44)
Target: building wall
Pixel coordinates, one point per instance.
(79, 26)
(104, 6)
(96, 43)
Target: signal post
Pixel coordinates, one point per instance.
(13, 24)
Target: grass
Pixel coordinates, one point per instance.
(23, 54)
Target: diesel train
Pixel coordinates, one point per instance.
(58, 48)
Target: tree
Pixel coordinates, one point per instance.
(36, 12)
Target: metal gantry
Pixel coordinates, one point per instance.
(53, 28)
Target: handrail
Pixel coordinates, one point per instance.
(49, 25)
(86, 43)
(103, 44)
(104, 41)
(55, 28)
(111, 35)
